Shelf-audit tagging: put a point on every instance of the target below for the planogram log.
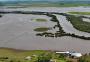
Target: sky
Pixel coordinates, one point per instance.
(44, 0)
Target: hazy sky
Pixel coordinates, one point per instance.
(44, 0)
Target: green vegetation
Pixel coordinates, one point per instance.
(42, 29)
(60, 32)
(43, 4)
(58, 4)
(85, 58)
(81, 13)
(18, 55)
(44, 57)
(10, 55)
(41, 20)
(79, 24)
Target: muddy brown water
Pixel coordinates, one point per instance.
(16, 32)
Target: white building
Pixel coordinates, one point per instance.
(71, 54)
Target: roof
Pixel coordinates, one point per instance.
(63, 52)
(76, 54)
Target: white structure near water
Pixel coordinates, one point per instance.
(72, 54)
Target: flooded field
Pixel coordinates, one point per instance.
(19, 31)
(68, 27)
(50, 9)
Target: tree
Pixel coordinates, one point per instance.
(85, 58)
(44, 57)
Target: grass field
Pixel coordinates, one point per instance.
(19, 55)
(11, 55)
(79, 24)
(80, 13)
(58, 5)
(85, 58)
(47, 4)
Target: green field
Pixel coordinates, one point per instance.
(58, 5)
(79, 24)
(47, 4)
(80, 13)
(11, 55)
(17, 55)
(85, 58)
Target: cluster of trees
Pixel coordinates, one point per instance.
(23, 12)
(54, 19)
(48, 34)
(49, 57)
(58, 33)
(45, 57)
(85, 58)
(73, 35)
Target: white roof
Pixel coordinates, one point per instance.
(71, 53)
(63, 52)
(76, 54)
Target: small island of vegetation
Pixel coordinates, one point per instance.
(41, 20)
(42, 29)
(80, 13)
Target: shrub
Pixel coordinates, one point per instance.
(44, 58)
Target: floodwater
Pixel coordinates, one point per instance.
(86, 20)
(16, 31)
(68, 27)
(50, 9)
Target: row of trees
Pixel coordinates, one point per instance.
(45, 57)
